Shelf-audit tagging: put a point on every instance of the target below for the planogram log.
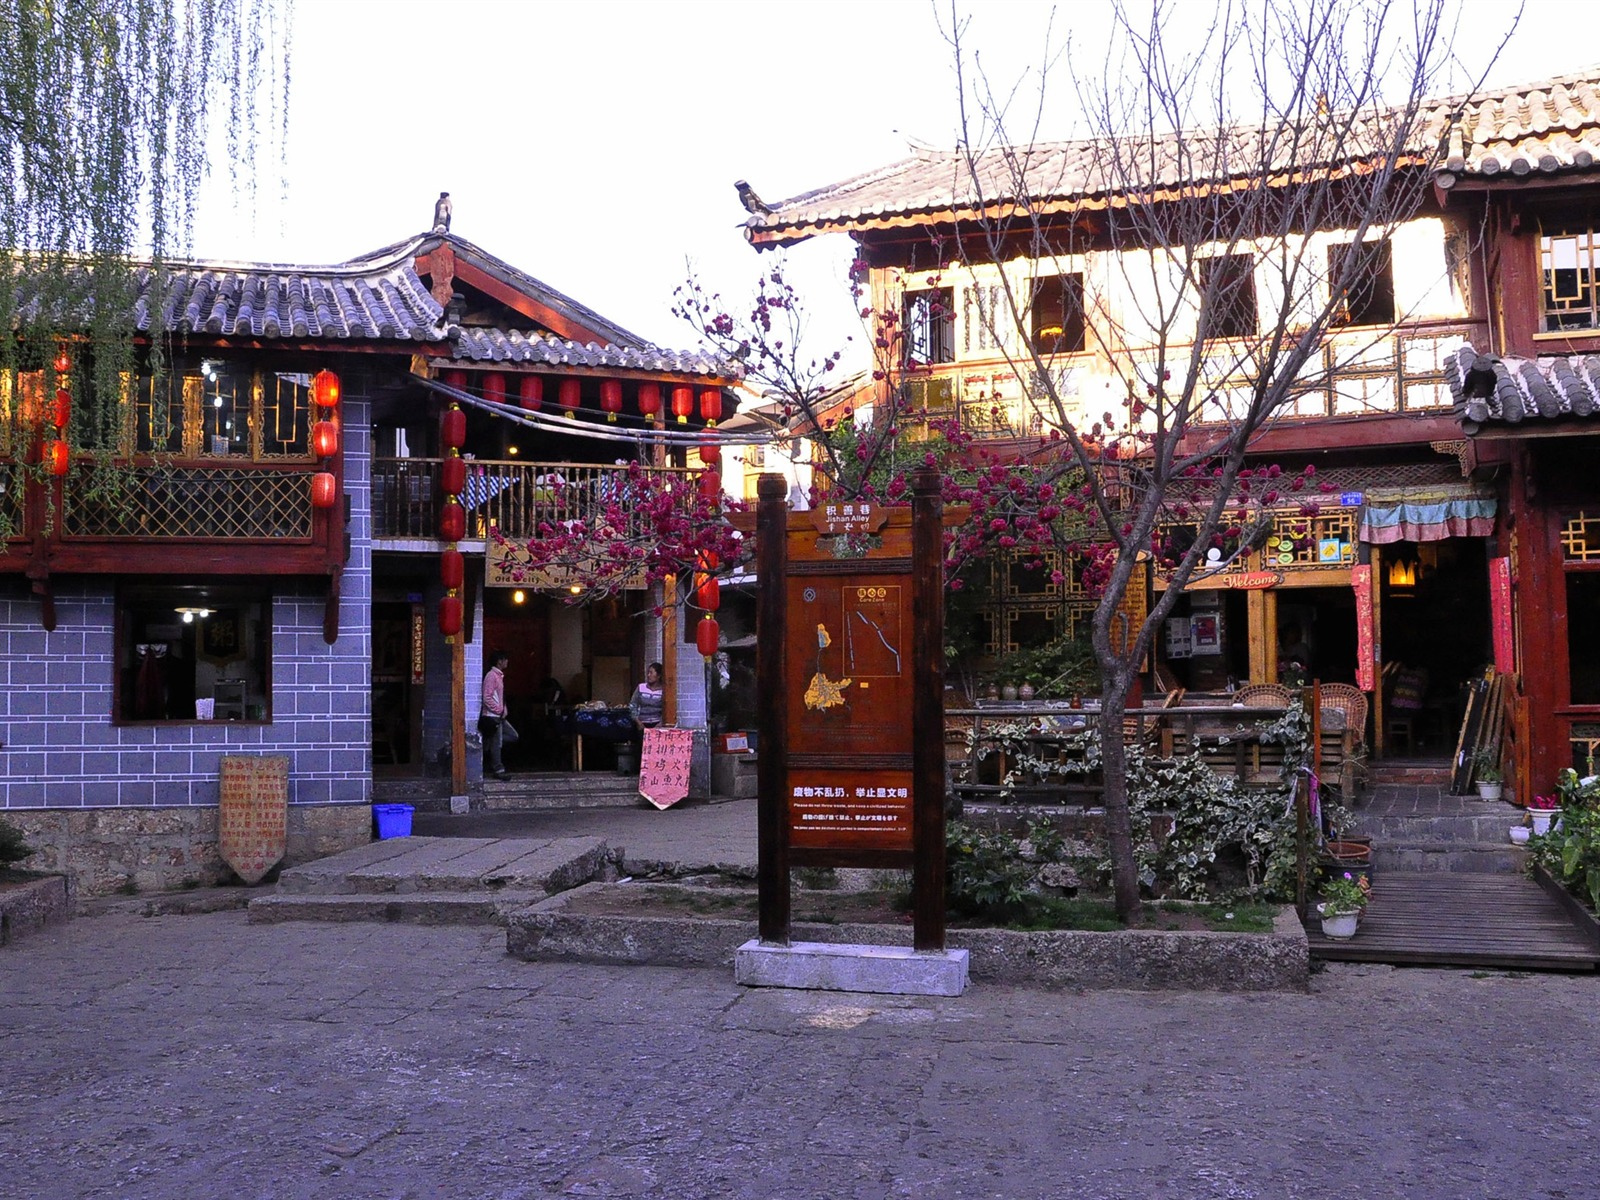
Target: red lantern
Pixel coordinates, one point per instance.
(450, 615)
(708, 592)
(649, 400)
(453, 475)
(706, 636)
(456, 379)
(571, 396)
(61, 410)
(452, 521)
(711, 405)
(708, 560)
(325, 389)
(324, 439)
(59, 455)
(63, 362)
(711, 453)
(710, 484)
(611, 398)
(682, 404)
(453, 429)
(494, 387)
(452, 569)
(530, 392)
(324, 490)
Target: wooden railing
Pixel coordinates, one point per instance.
(515, 497)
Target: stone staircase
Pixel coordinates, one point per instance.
(435, 881)
(561, 789)
(1417, 826)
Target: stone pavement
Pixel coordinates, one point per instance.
(202, 1056)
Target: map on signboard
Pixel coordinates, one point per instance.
(823, 692)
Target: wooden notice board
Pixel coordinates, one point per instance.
(850, 660)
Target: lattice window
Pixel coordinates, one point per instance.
(192, 502)
(11, 496)
(1326, 539)
(1567, 254)
(217, 411)
(1580, 538)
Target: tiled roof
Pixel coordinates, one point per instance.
(1550, 126)
(1508, 391)
(1536, 128)
(478, 344)
(380, 297)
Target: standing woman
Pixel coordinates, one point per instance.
(492, 717)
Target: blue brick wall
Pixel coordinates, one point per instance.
(59, 749)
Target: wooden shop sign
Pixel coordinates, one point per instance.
(1253, 580)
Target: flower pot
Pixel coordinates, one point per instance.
(1350, 855)
(1025, 692)
(1519, 835)
(1489, 791)
(1008, 691)
(1541, 818)
(1338, 925)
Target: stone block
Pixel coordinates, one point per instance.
(889, 970)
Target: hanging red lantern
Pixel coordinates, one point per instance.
(611, 398)
(708, 560)
(710, 453)
(494, 387)
(710, 484)
(530, 392)
(706, 636)
(324, 439)
(456, 379)
(649, 400)
(450, 615)
(453, 475)
(63, 362)
(708, 592)
(452, 521)
(453, 429)
(59, 456)
(325, 389)
(61, 410)
(324, 490)
(682, 404)
(711, 405)
(452, 569)
(571, 396)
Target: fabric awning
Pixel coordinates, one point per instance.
(1425, 515)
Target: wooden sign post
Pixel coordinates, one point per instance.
(850, 661)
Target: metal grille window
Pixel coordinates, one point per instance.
(1567, 276)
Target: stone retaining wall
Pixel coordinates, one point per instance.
(34, 905)
(109, 850)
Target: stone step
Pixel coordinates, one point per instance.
(418, 908)
(432, 864)
(561, 790)
(1490, 828)
(1457, 857)
(1420, 773)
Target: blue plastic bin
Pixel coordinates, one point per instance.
(394, 820)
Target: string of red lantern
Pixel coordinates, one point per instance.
(711, 406)
(611, 399)
(682, 403)
(325, 395)
(649, 400)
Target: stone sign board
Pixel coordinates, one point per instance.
(253, 813)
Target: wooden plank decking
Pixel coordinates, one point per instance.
(1464, 920)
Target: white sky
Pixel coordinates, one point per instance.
(595, 144)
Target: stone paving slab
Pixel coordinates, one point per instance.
(177, 1058)
(330, 871)
(417, 908)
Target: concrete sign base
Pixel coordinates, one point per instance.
(892, 970)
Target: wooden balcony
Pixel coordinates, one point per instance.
(170, 517)
(515, 497)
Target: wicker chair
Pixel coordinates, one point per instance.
(1264, 695)
(1352, 702)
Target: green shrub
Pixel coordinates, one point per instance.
(12, 847)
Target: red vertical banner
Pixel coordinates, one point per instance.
(1361, 582)
(1505, 656)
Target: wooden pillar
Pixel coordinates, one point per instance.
(927, 712)
(1263, 662)
(772, 700)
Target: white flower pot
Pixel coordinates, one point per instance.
(1341, 926)
(1490, 791)
(1519, 835)
(1541, 819)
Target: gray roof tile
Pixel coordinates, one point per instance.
(1508, 391)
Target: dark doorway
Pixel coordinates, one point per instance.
(521, 627)
(396, 691)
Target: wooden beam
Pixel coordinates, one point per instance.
(1263, 665)
(557, 323)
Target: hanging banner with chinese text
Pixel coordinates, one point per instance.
(1505, 654)
(1361, 583)
(664, 766)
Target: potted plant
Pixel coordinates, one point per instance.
(1490, 780)
(1343, 898)
(1541, 810)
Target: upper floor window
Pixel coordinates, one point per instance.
(1567, 274)
(1228, 296)
(929, 322)
(1057, 318)
(214, 409)
(1363, 283)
